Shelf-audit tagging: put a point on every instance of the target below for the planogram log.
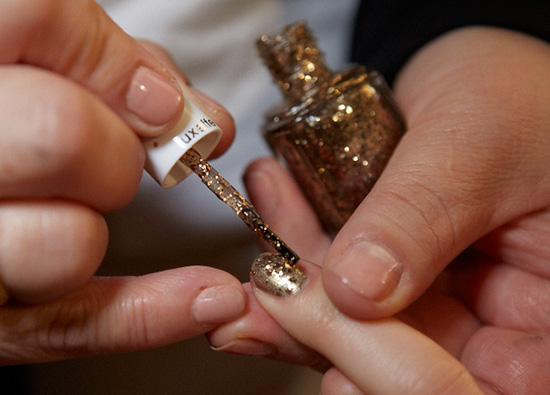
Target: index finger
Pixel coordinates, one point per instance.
(382, 357)
(119, 314)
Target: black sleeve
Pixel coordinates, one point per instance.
(387, 33)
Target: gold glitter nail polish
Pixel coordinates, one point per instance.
(336, 131)
(276, 274)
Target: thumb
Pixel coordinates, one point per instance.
(474, 158)
(78, 40)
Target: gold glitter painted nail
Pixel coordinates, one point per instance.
(336, 131)
(276, 275)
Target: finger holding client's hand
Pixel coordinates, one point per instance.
(451, 243)
(474, 158)
(76, 96)
(355, 356)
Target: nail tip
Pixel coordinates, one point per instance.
(250, 347)
(218, 305)
(368, 270)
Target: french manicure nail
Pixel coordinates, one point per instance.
(369, 270)
(153, 98)
(249, 347)
(217, 305)
(275, 274)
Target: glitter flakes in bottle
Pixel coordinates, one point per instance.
(336, 131)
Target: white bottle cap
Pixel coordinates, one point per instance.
(194, 130)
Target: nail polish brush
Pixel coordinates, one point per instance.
(242, 207)
(180, 152)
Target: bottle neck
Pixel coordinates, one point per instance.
(295, 63)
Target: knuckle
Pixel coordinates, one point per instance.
(95, 323)
(84, 239)
(69, 328)
(456, 380)
(427, 213)
(51, 249)
(88, 323)
(73, 145)
(67, 132)
(137, 331)
(66, 332)
(83, 326)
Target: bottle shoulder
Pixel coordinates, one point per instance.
(325, 101)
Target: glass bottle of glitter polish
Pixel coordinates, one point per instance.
(336, 131)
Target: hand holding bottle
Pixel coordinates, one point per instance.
(76, 95)
(452, 240)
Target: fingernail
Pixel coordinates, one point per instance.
(153, 98)
(246, 347)
(274, 274)
(217, 305)
(206, 103)
(261, 180)
(369, 270)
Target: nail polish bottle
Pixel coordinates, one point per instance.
(336, 131)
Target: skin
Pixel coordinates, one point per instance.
(71, 151)
(464, 206)
(480, 326)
